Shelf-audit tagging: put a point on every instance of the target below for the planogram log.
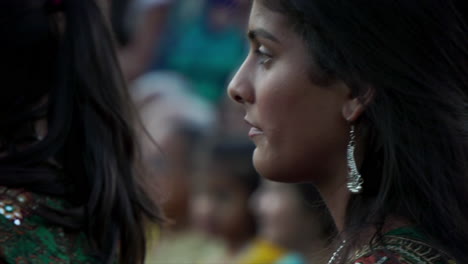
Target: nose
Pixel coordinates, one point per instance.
(240, 88)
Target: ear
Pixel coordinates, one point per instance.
(355, 106)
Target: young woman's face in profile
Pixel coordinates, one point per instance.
(297, 126)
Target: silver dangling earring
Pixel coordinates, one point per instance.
(355, 180)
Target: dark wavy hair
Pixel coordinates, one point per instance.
(58, 63)
(414, 56)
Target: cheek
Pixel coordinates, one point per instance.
(302, 131)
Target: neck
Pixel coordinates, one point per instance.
(336, 196)
(333, 189)
(337, 201)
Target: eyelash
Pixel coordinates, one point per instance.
(264, 57)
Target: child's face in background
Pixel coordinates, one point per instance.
(281, 214)
(220, 205)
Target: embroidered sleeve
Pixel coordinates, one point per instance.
(27, 238)
(402, 250)
(381, 257)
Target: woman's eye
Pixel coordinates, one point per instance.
(264, 56)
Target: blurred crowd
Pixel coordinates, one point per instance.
(178, 56)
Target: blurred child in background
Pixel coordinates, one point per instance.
(179, 122)
(220, 203)
(294, 217)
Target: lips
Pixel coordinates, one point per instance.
(254, 130)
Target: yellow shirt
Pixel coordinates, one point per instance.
(261, 252)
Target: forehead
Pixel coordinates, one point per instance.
(263, 17)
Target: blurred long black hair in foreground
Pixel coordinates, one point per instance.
(58, 68)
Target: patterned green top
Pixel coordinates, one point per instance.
(402, 246)
(26, 237)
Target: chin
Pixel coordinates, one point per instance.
(273, 170)
(281, 170)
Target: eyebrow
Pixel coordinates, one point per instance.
(261, 33)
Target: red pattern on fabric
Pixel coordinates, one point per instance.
(380, 257)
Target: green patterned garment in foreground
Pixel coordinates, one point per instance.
(28, 238)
